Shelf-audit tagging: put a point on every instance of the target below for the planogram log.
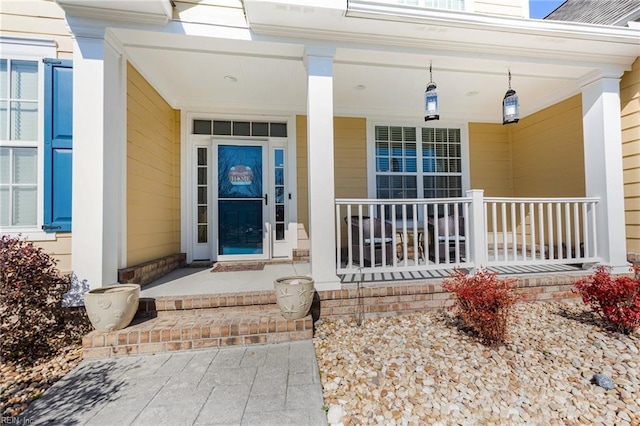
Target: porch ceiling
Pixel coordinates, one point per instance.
(271, 79)
(375, 74)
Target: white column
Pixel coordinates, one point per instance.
(99, 141)
(603, 165)
(322, 238)
(478, 248)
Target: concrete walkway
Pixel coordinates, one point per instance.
(275, 384)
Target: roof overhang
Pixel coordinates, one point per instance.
(386, 23)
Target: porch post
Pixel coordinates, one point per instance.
(322, 237)
(99, 143)
(603, 165)
(477, 229)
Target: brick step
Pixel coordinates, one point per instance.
(207, 311)
(255, 300)
(189, 331)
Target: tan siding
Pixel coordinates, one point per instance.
(511, 8)
(630, 111)
(153, 173)
(547, 148)
(42, 19)
(490, 159)
(60, 250)
(350, 153)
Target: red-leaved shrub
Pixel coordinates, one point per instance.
(31, 290)
(615, 300)
(484, 303)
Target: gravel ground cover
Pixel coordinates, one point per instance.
(424, 369)
(19, 385)
(28, 377)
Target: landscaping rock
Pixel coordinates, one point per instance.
(428, 371)
(334, 415)
(603, 381)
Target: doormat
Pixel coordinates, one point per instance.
(238, 266)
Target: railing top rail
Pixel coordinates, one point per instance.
(344, 201)
(542, 200)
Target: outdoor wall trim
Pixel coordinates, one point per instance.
(157, 12)
(20, 42)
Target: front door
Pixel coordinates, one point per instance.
(243, 222)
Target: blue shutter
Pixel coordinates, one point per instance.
(58, 119)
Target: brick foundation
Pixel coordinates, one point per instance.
(149, 271)
(300, 255)
(401, 298)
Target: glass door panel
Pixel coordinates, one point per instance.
(241, 199)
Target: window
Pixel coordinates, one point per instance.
(441, 163)
(396, 162)
(239, 128)
(418, 162)
(35, 138)
(279, 175)
(202, 204)
(18, 143)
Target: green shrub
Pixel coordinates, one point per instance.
(483, 302)
(31, 290)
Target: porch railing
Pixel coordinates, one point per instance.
(529, 231)
(439, 234)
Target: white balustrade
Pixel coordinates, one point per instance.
(404, 235)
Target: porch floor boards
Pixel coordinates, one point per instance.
(180, 323)
(524, 270)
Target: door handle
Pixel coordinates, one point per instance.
(266, 199)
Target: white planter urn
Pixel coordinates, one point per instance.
(112, 308)
(294, 296)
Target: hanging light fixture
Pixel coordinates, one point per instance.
(510, 109)
(431, 100)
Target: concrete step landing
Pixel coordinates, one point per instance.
(178, 323)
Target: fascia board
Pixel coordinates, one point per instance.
(474, 20)
(444, 48)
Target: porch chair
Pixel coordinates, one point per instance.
(367, 240)
(441, 239)
(410, 254)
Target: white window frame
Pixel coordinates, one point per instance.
(30, 49)
(371, 151)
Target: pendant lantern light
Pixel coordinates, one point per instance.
(510, 108)
(431, 100)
